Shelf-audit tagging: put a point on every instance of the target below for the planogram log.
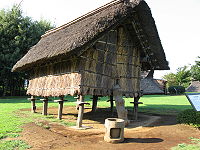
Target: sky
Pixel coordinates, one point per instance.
(178, 23)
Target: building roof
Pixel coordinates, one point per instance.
(149, 85)
(75, 36)
(194, 87)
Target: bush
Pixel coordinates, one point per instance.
(190, 117)
(176, 89)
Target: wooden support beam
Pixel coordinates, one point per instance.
(136, 102)
(111, 100)
(80, 112)
(45, 105)
(60, 109)
(60, 106)
(33, 106)
(135, 110)
(77, 99)
(94, 103)
(82, 103)
(111, 104)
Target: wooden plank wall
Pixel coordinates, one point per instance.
(115, 57)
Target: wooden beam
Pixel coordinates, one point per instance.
(94, 103)
(60, 107)
(60, 110)
(135, 116)
(45, 105)
(77, 99)
(33, 106)
(111, 104)
(80, 112)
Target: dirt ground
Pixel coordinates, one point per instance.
(148, 133)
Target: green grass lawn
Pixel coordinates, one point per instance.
(194, 146)
(10, 122)
(163, 104)
(156, 104)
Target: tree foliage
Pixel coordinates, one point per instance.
(195, 70)
(17, 34)
(171, 79)
(181, 78)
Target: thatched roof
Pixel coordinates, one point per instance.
(76, 36)
(194, 87)
(149, 85)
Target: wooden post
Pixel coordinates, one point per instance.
(45, 105)
(80, 112)
(135, 110)
(77, 99)
(111, 104)
(60, 106)
(94, 103)
(33, 106)
(60, 109)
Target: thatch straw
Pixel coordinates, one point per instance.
(97, 71)
(55, 85)
(75, 37)
(93, 53)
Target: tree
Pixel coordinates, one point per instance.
(171, 79)
(17, 34)
(181, 78)
(195, 70)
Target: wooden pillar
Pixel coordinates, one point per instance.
(45, 105)
(60, 107)
(135, 109)
(111, 104)
(80, 112)
(94, 103)
(136, 99)
(33, 106)
(77, 99)
(80, 106)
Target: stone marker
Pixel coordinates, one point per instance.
(114, 130)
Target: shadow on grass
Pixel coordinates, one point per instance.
(15, 99)
(102, 113)
(155, 109)
(167, 112)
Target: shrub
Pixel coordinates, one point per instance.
(187, 116)
(197, 120)
(190, 117)
(176, 89)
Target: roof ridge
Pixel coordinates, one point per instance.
(114, 2)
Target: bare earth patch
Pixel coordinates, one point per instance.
(149, 133)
